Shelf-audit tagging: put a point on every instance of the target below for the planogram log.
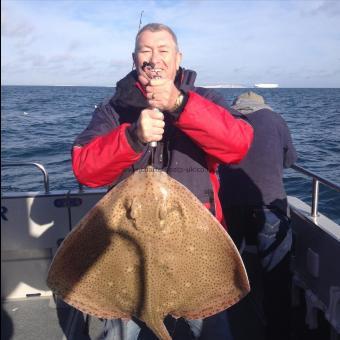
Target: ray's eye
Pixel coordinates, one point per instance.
(133, 208)
(127, 204)
(162, 211)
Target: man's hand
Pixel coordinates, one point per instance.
(150, 126)
(161, 93)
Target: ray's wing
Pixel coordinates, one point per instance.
(97, 268)
(202, 270)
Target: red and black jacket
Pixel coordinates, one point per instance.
(195, 140)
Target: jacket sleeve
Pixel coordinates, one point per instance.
(102, 151)
(219, 134)
(289, 152)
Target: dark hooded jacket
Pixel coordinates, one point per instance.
(197, 138)
(258, 179)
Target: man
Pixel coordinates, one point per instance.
(255, 206)
(193, 130)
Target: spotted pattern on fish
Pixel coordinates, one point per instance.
(147, 249)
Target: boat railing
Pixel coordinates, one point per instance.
(37, 165)
(316, 180)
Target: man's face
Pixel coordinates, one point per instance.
(158, 49)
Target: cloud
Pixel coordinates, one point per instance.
(327, 7)
(17, 30)
(61, 58)
(89, 42)
(14, 29)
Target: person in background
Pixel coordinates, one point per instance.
(194, 133)
(255, 206)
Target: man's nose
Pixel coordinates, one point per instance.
(155, 58)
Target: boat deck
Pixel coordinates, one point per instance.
(38, 318)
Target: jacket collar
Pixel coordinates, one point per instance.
(130, 94)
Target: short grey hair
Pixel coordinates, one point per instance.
(156, 27)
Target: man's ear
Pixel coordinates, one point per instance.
(178, 60)
(134, 58)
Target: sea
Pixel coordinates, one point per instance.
(40, 123)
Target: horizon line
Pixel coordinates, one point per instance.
(212, 86)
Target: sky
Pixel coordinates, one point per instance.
(89, 42)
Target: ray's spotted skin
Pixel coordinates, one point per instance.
(147, 249)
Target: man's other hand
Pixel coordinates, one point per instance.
(160, 93)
